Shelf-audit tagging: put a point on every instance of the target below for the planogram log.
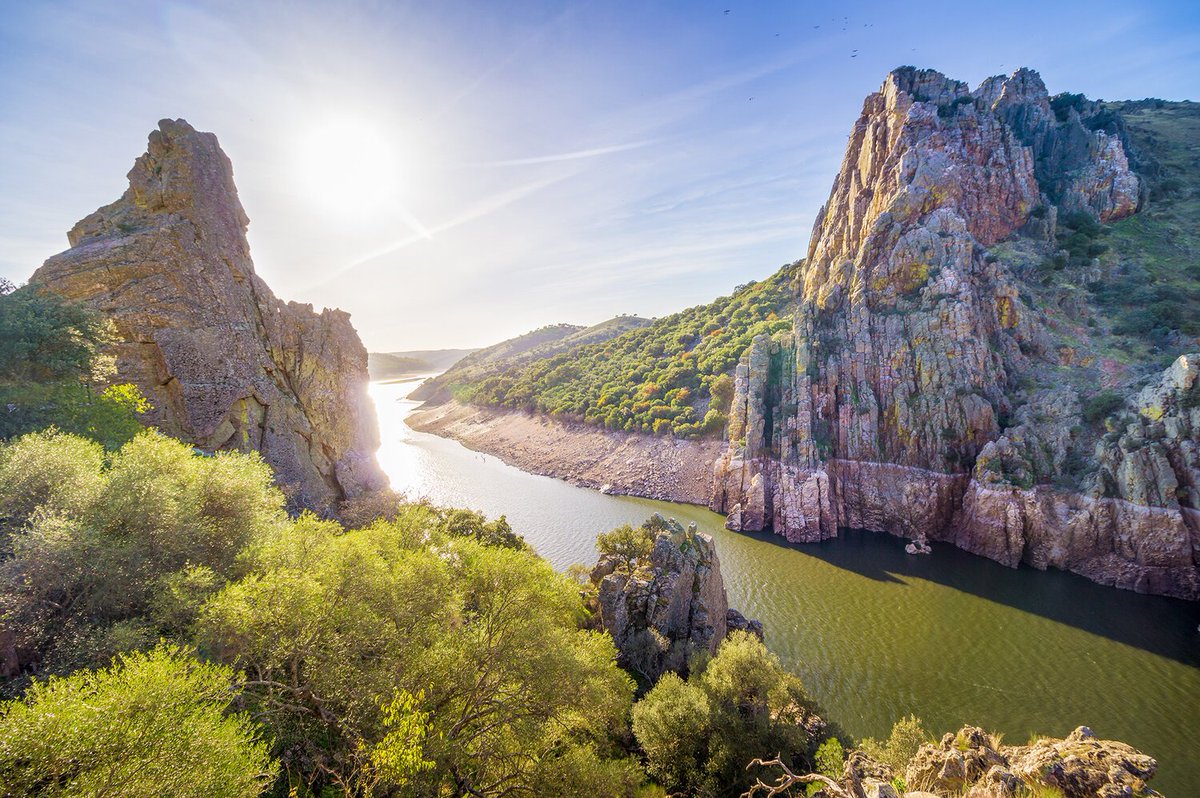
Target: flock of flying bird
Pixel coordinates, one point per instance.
(845, 22)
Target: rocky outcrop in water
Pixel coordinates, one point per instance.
(225, 364)
(662, 608)
(924, 390)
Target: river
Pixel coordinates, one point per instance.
(875, 633)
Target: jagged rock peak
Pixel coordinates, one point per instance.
(225, 364)
(184, 172)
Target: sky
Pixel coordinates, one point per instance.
(454, 173)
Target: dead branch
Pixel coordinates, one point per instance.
(788, 779)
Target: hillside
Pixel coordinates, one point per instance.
(514, 353)
(397, 365)
(657, 378)
(989, 342)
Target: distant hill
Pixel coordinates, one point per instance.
(534, 346)
(657, 377)
(397, 365)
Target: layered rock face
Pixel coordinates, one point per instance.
(913, 369)
(661, 611)
(225, 364)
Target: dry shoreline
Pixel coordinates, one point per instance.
(615, 462)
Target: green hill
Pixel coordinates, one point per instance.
(659, 378)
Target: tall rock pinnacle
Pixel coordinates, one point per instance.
(225, 364)
(922, 389)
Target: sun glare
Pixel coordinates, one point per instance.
(349, 165)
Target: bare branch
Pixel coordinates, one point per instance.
(788, 779)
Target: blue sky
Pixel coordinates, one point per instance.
(513, 164)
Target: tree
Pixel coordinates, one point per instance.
(102, 551)
(51, 356)
(753, 706)
(43, 338)
(152, 724)
(480, 645)
(673, 724)
(906, 737)
(631, 545)
(721, 389)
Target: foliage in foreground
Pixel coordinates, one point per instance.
(428, 653)
(475, 651)
(50, 357)
(698, 735)
(107, 554)
(151, 724)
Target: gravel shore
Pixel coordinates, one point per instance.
(614, 462)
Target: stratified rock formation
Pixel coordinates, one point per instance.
(668, 606)
(925, 391)
(225, 364)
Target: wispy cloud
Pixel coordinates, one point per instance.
(577, 155)
(473, 213)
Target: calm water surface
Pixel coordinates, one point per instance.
(875, 633)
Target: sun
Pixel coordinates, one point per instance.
(349, 164)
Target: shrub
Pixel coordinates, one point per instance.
(475, 650)
(698, 735)
(631, 545)
(1102, 405)
(830, 758)
(151, 724)
(95, 545)
(906, 737)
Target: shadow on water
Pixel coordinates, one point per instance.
(1119, 615)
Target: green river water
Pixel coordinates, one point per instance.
(875, 633)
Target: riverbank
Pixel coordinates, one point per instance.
(667, 469)
(866, 626)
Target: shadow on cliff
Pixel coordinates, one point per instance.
(1063, 597)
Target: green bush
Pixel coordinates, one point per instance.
(95, 542)
(44, 339)
(830, 758)
(50, 355)
(631, 545)
(1102, 405)
(901, 746)
(150, 725)
(498, 686)
(699, 735)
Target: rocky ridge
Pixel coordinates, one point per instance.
(923, 391)
(973, 764)
(225, 364)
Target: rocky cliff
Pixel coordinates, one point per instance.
(940, 379)
(225, 364)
